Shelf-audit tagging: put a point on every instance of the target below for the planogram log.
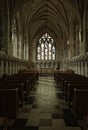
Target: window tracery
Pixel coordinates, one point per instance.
(46, 48)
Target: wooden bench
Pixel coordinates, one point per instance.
(13, 85)
(59, 75)
(62, 78)
(9, 102)
(19, 81)
(74, 82)
(72, 78)
(80, 103)
(70, 92)
(32, 76)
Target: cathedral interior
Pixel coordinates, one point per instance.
(43, 54)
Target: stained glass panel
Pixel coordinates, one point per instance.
(46, 48)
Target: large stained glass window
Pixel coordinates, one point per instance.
(46, 48)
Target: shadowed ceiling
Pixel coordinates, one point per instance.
(53, 16)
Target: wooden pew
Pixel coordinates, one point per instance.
(61, 78)
(72, 78)
(32, 76)
(80, 103)
(70, 92)
(18, 81)
(9, 102)
(58, 75)
(27, 78)
(12, 85)
(67, 83)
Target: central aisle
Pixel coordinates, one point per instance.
(45, 109)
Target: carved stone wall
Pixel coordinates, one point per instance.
(10, 65)
(47, 66)
(79, 64)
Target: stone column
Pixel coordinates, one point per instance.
(4, 26)
(6, 67)
(2, 67)
(86, 69)
(16, 68)
(81, 70)
(86, 26)
(79, 67)
(11, 68)
(76, 67)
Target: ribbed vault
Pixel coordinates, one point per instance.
(53, 16)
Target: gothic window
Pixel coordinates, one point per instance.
(46, 48)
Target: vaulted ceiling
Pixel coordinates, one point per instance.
(53, 16)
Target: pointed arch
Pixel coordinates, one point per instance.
(46, 48)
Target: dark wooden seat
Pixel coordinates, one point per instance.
(13, 85)
(80, 103)
(9, 102)
(70, 92)
(74, 82)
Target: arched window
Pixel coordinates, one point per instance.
(46, 48)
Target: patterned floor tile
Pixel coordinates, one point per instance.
(32, 128)
(44, 109)
(45, 122)
(24, 116)
(35, 111)
(57, 116)
(73, 128)
(59, 124)
(45, 128)
(21, 128)
(26, 110)
(33, 122)
(45, 116)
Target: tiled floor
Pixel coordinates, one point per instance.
(45, 110)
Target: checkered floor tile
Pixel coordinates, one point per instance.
(45, 109)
